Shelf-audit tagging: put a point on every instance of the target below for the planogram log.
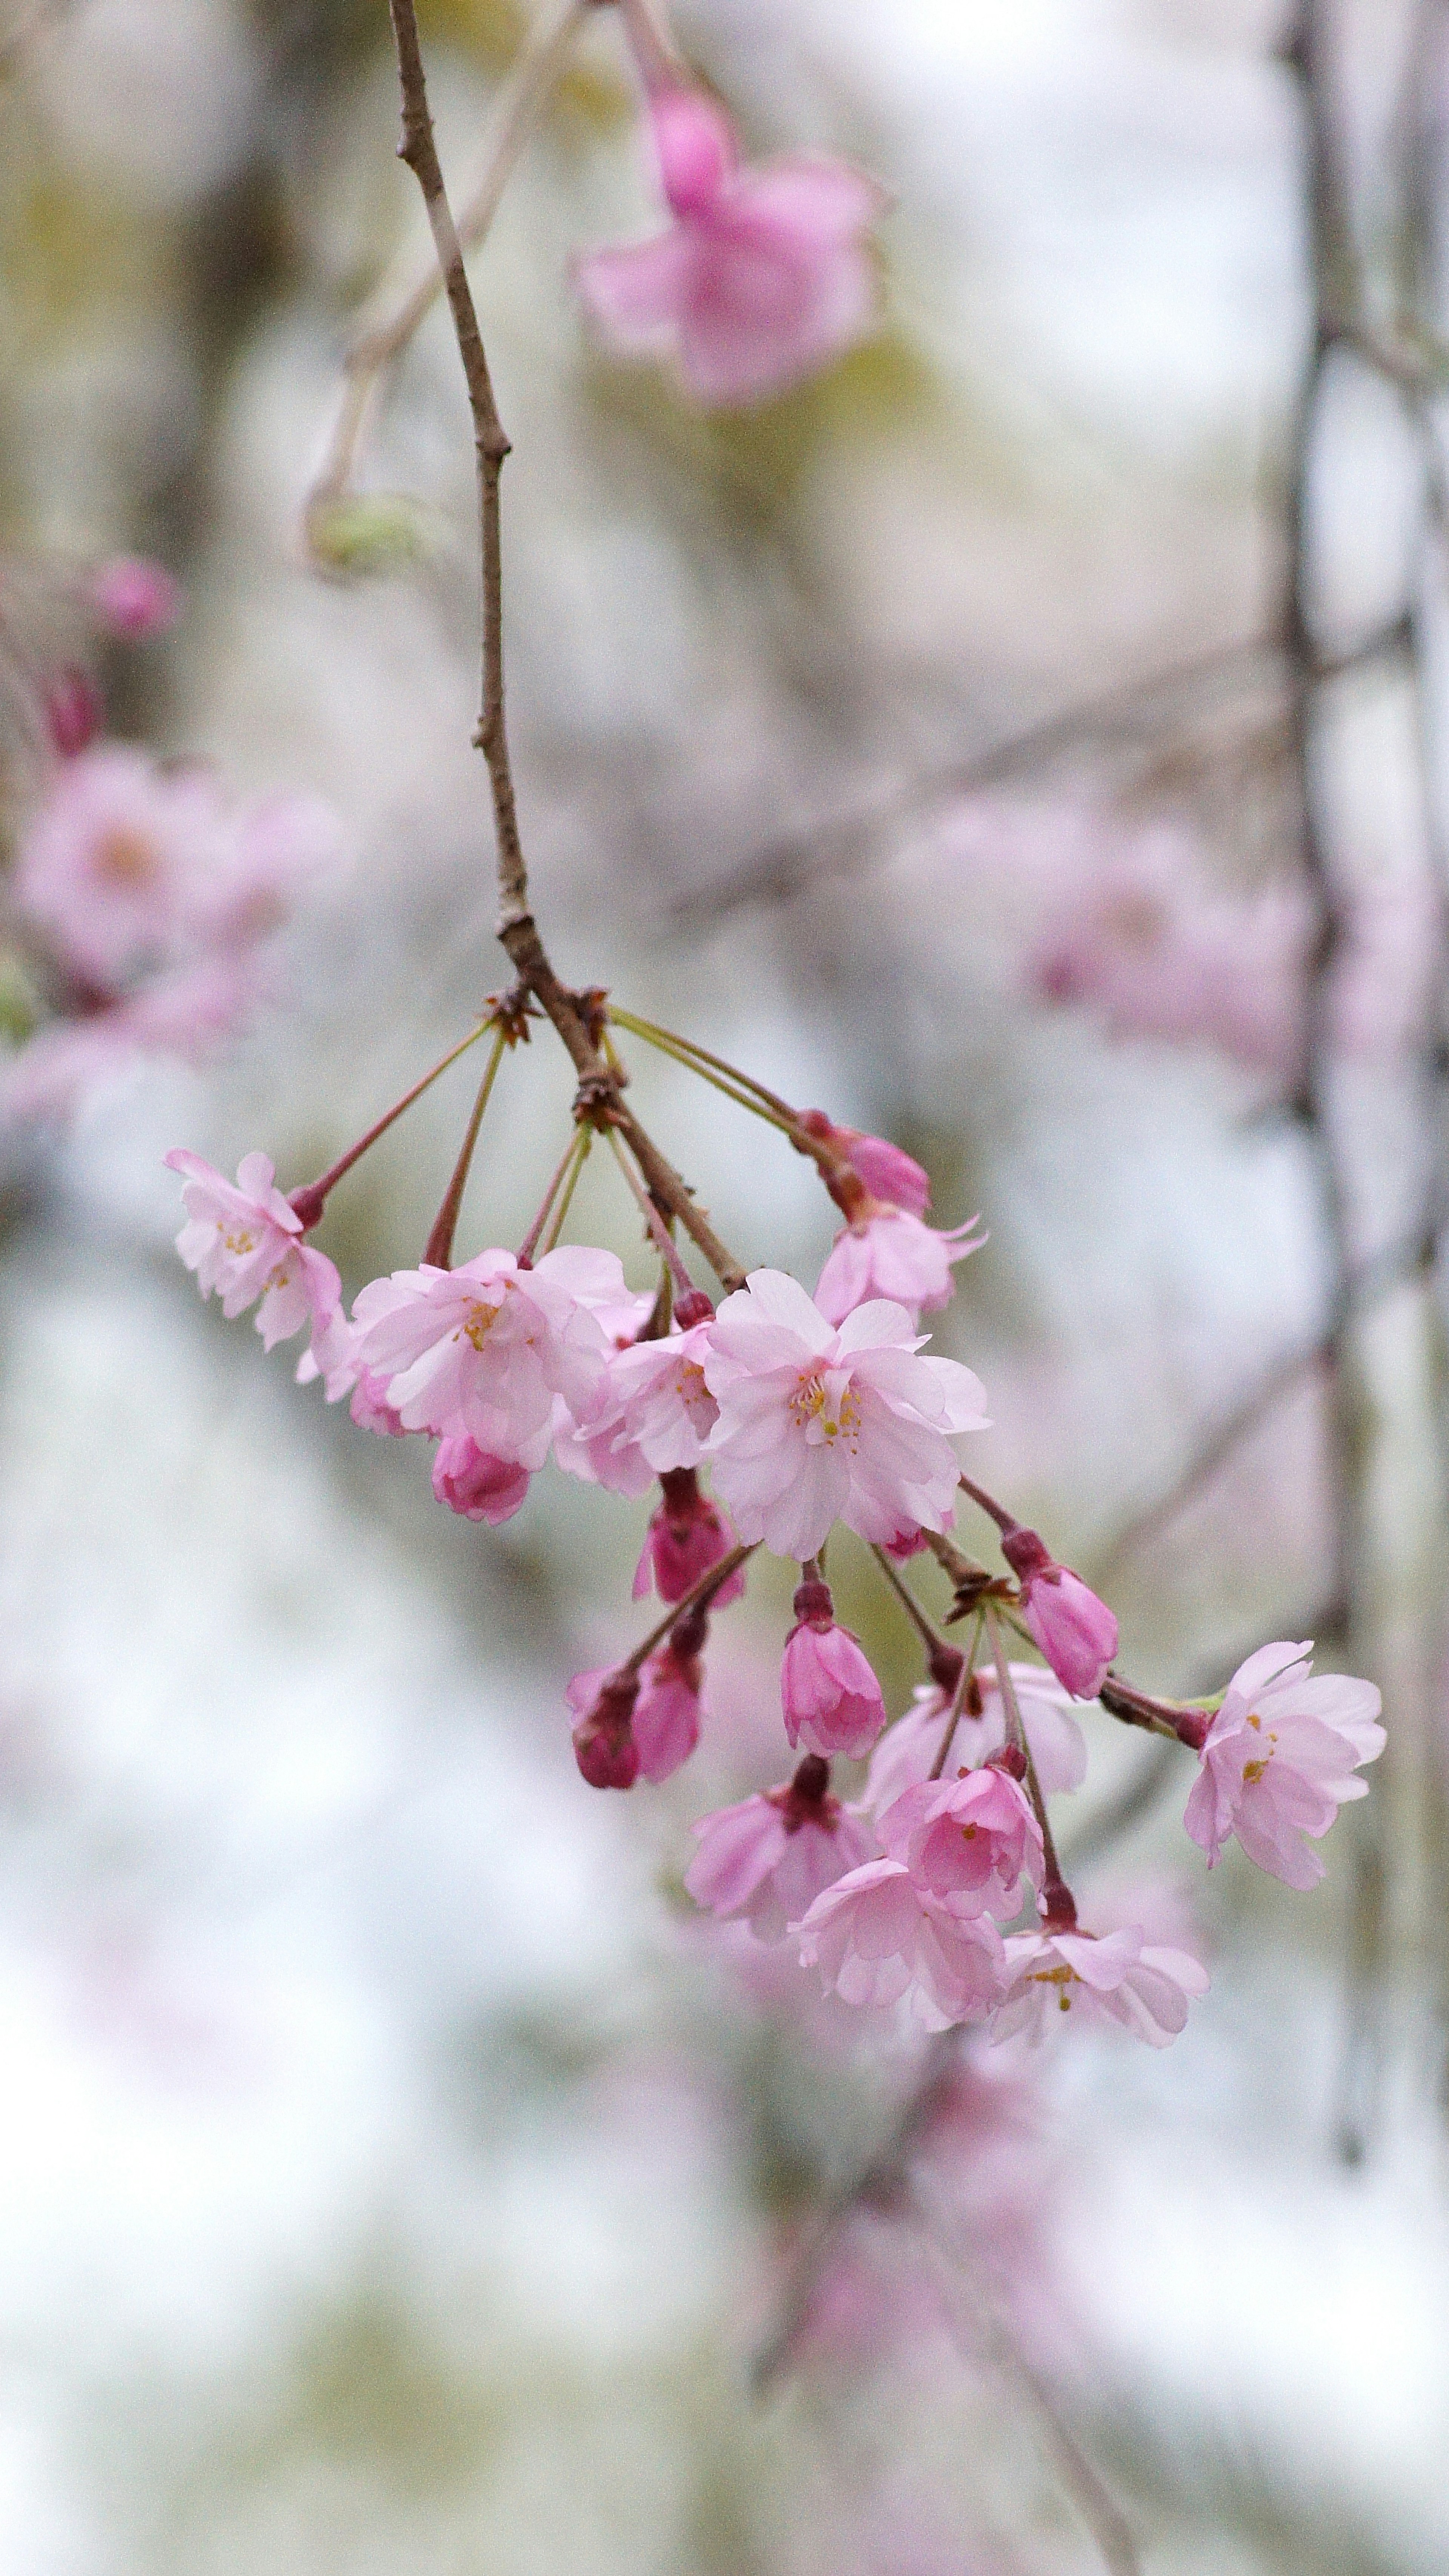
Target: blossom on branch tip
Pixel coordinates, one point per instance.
(889, 1253)
(480, 1487)
(879, 1938)
(244, 1243)
(830, 1696)
(762, 278)
(889, 1174)
(685, 1537)
(768, 1858)
(1075, 1631)
(1279, 1760)
(1117, 1979)
(969, 1840)
(818, 1424)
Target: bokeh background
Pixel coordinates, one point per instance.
(393, 2174)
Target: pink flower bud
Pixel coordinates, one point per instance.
(888, 1173)
(666, 1714)
(134, 597)
(604, 1746)
(684, 1539)
(831, 1698)
(72, 712)
(1075, 1631)
(696, 148)
(482, 1488)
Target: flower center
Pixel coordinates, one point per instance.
(1253, 1771)
(691, 1390)
(125, 858)
(826, 1407)
(242, 1239)
(1061, 1975)
(478, 1323)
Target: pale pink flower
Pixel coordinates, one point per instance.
(128, 866)
(907, 1750)
(1075, 1631)
(243, 1242)
(818, 1425)
(830, 1696)
(604, 1746)
(685, 1537)
(878, 1938)
(762, 278)
(183, 1013)
(885, 1171)
(970, 1840)
(1279, 1758)
(889, 1253)
(650, 1412)
(768, 1858)
(483, 1350)
(471, 1482)
(134, 597)
(1116, 1979)
(370, 1409)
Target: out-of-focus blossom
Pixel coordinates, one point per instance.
(768, 1858)
(878, 1938)
(762, 278)
(667, 1711)
(818, 1425)
(1115, 1979)
(72, 711)
(482, 1351)
(884, 1170)
(480, 1487)
(134, 597)
(969, 1841)
(1279, 1759)
(906, 1752)
(242, 1241)
(889, 1253)
(685, 1537)
(1075, 1631)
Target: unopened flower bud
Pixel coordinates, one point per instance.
(830, 1696)
(604, 1746)
(72, 712)
(1075, 1631)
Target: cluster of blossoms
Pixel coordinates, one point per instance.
(938, 1890)
(139, 900)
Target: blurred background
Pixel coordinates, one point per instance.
(394, 2174)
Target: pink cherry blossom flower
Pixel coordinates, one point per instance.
(183, 1013)
(1279, 1758)
(243, 1242)
(370, 1409)
(1118, 1978)
(134, 597)
(969, 1841)
(768, 1858)
(884, 1170)
(830, 1696)
(650, 1412)
(1075, 1631)
(604, 1746)
(482, 1488)
(482, 1351)
(878, 1938)
(818, 1425)
(761, 279)
(667, 1712)
(907, 1750)
(887, 1253)
(685, 1537)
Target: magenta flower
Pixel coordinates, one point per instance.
(905, 1754)
(469, 1481)
(134, 597)
(483, 1350)
(243, 1242)
(888, 1253)
(969, 1840)
(685, 1537)
(1279, 1758)
(818, 1425)
(830, 1696)
(884, 1170)
(1115, 1979)
(878, 1938)
(604, 1746)
(667, 1711)
(763, 276)
(1075, 1631)
(769, 1858)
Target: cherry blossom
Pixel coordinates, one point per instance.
(818, 1424)
(768, 1858)
(830, 1696)
(1279, 1759)
(483, 1350)
(906, 1752)
(650, 1412)
(604, 1745)
(877, 1937)
(1075, 1631)
(761, 279)
(885, 1252)
(1118, 1978)
(685, 1537)
(969, 1841)
(469, 1481)
(134, 597)
(243, 1242)
(884, 1170)
(667, 1711)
